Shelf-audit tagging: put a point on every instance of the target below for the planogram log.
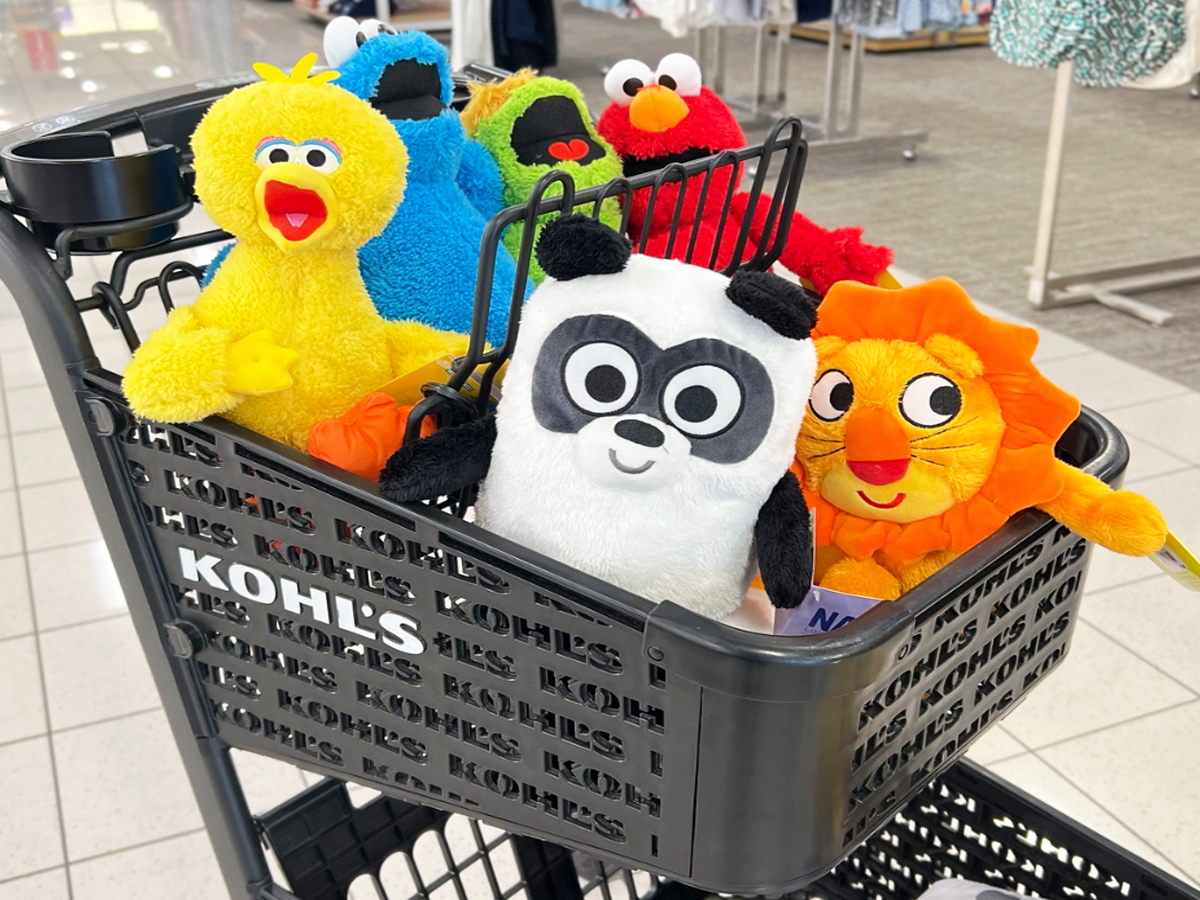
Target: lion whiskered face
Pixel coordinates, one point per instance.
(899, 431)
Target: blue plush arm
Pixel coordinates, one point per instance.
(479, 178)
(216, 264)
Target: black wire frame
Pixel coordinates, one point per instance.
(555, 193)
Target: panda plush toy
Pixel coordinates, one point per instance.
(646, 429)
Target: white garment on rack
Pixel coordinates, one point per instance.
(679, 16)
(1183, 66)
(470, 32)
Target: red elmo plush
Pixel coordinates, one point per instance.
(661, 117)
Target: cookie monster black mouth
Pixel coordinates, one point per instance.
(409, 89)
(634, 166)
(552, 131)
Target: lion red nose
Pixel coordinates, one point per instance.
(879, 472)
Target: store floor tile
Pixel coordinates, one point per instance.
(48, 885)
(122, 784)
(109, 649)
(1142, 773)
(1035, 776)
(1137, 618)
(1075, 701)
(73, 584)
(29, 814)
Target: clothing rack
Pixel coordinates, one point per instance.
(1111, 286)
(431, 16)
(837, 126)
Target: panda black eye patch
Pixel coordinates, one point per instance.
(718, 396)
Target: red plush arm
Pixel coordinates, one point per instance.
(820, 255)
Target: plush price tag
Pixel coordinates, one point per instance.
(406, 390)
(822, 611)
(1179, 562)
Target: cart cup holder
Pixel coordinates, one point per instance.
(74, 183)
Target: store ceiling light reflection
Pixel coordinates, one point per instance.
(108, 16)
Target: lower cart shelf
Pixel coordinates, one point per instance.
(967, 824)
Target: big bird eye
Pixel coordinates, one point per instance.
(680, 73)
(930, 400)
(702, 401)
(625, 79)
(320, 155)
(601, 378)
(831, 396)
(274, 151)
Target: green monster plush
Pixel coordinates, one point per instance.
(531, 125)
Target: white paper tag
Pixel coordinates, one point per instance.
(821, 612)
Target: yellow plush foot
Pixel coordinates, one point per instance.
(864, 578)
(257, 365)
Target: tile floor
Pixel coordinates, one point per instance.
(1108, 738)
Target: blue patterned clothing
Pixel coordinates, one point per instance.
(1111, 41)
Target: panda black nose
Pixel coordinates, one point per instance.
(640, 433)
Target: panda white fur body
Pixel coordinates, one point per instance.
(688, 538)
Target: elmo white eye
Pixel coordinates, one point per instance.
(930, 400)
(680, 73)
(341, 40)
(323, 156)
(276, 150)
(601, 378)
(625, 79)
(831, 396)
(702, 401)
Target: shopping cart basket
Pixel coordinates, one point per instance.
(525, 694)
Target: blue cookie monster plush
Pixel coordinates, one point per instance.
(423, 265)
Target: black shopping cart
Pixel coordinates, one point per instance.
(597, 742)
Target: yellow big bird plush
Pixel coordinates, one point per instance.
(302, 173)
(927, 427)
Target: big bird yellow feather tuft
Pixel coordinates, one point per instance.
(302, 173)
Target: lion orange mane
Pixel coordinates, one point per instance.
(1035, 414)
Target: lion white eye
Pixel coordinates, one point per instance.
(930, 400)
(625, 79)
(601, 378)
(680, 73)
(831, 396)
(276, 150)
(341, 40)
(702, 401)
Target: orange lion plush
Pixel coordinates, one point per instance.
(928, 426)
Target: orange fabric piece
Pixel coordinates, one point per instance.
(1035, 412)
(361, 440)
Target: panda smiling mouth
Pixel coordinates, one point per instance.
(628, 470)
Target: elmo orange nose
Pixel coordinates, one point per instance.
(879, 472)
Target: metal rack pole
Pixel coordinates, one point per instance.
(1109, 287)
(827, 132)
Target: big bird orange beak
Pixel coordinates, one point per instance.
(877, 449)
(656, 108)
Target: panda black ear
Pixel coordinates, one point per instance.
(788, 308)
(575, 245)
